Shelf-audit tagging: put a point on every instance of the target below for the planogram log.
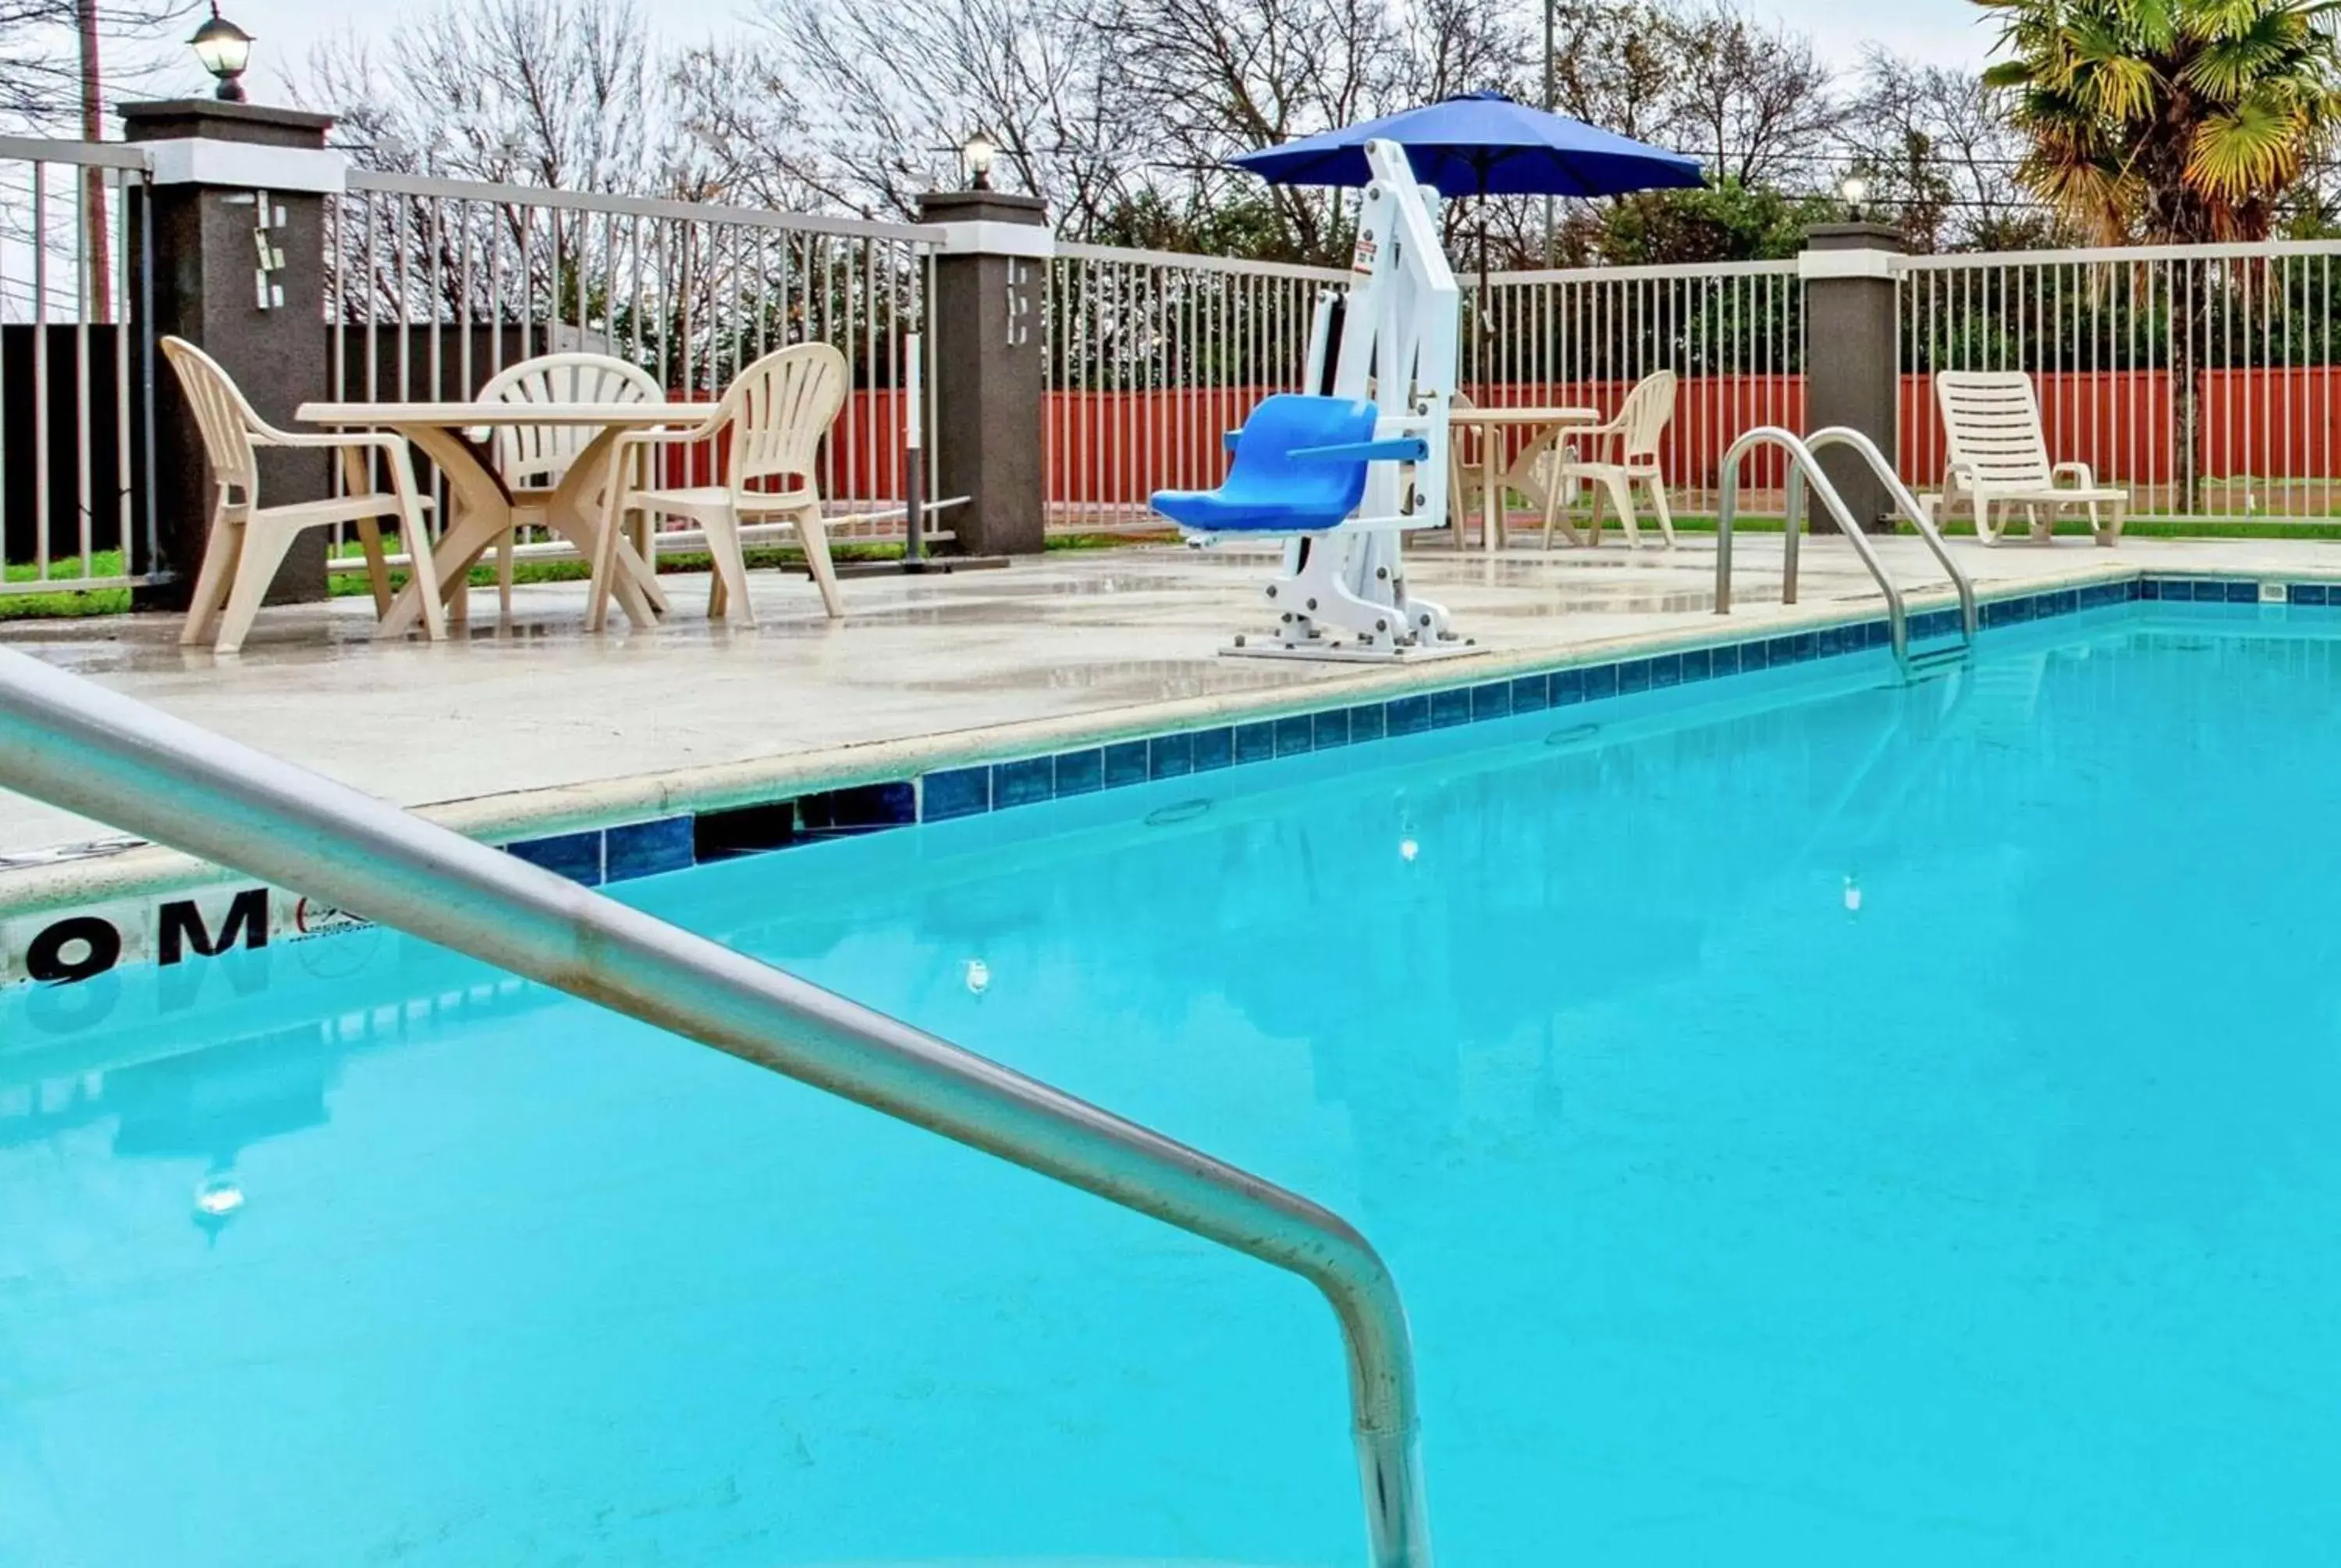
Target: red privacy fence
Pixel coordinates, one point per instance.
(2264, 439)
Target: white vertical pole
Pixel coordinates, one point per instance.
(914, 434)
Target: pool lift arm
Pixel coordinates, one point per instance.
(1396, 347)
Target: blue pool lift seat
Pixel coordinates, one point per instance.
(1300, 468)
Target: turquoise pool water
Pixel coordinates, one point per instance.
(1828, 1122)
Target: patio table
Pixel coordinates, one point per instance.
(1547, 426)
(483, 505)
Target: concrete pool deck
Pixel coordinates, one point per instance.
(537, 721)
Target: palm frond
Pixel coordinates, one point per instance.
(2257, 145)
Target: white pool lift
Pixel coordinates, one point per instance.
(1342, 475)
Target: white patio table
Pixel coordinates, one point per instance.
(483, 505)
(1497, 475)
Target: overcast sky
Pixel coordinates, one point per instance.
(1939, 32)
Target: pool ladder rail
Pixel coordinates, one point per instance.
(1805, 469)
(75, 744)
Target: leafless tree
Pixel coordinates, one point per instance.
(558, 93)
(883, 97)
(53, 72)
(1937, 146)
(1755, 102)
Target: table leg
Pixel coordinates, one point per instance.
(1543, 492)
(482, 515)
(579, 509)
(1491, 489)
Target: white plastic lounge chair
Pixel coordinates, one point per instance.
(532, 460)
(1642, 421)
(768, 428)
(1998, 457)
(248, 541)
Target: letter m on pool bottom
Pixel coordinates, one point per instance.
(182, 926)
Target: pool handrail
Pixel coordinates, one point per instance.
(76, 745)
(1805, 468)
(1921, 516)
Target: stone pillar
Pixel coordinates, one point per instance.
(236, 219)
(985, 334)
(1851, 377)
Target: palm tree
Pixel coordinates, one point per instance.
(2168, 120)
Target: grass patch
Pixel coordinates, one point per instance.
(66, 602)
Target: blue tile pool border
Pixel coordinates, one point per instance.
(628, 849)
(948, 794)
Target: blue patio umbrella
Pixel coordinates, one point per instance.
(1482, 145)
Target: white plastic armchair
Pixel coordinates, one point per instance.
(1641, 422)
(1999, 456)
(248, 541)
(770, 425)
(532, 460)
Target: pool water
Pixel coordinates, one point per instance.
(1836, 1123)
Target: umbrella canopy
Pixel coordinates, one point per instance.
(1482, 145)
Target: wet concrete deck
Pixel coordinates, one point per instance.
(540, 704)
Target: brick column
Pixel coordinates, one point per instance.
(984, 338)
(1850, 374)
(236, 218)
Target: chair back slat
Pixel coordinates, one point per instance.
(778, 409)
(538, 456)
(1991, 420)
(225, 419)
(1643, 419)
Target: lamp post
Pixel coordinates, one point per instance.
(977, 155)
(225, 49)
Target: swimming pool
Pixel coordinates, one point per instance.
(1818, 1121)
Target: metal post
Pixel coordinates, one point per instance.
(1550, 7)
(914, 462)
(68, 741)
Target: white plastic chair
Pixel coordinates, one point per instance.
(532, 460)
(1641, 422)
(248, 541)
(1463, 478)
(770, 425)
(1999, 456)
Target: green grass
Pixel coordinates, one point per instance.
(66, 603)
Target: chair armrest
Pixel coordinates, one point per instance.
(379, 440)
(1229, 438)
(2079, 470)
(1403, 449)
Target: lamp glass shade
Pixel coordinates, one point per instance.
(979, 150)
(224, 48)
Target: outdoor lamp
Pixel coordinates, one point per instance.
(977, 153)
(1856, 191)
(224, 49)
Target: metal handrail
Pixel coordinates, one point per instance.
(70, 742)
(1803, 468)
(1920, 517)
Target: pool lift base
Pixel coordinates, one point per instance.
(1268, 647)
(1353, 583)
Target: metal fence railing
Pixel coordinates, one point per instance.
(76, 367)
(2200, 377)
(1732, 332)
(433, 286)
(1150, 356)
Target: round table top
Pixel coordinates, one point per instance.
(1524, 416)
(462, 415)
